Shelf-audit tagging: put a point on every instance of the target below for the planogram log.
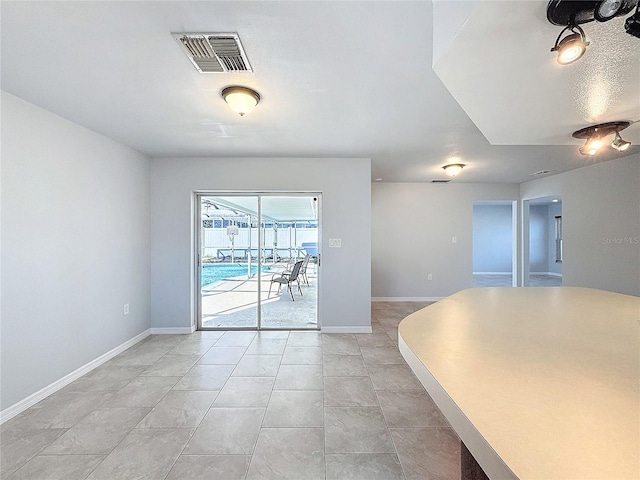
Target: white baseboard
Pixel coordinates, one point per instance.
(173, 330)
(492, 273)
(406, 299)
(346, 329)
(19, 407)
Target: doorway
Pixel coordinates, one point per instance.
(247, 247)
(494, 241)
(543, 244)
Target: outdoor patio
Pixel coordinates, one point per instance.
(233, 303)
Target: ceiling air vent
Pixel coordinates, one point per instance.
(542, 172)
(214, 52)
(440, 181)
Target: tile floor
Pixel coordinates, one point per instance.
(241, 405)
(535, 280)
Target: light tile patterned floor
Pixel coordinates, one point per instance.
(504, 280)
(241, 405)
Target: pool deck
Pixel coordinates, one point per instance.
(233, 303)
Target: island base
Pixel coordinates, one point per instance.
(469, 468)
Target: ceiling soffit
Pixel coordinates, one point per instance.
(504, 76)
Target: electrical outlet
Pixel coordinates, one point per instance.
(429, 277)
(126, 309)
(454, 239)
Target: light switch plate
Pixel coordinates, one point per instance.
(335, 243)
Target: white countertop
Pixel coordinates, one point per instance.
(539, 383)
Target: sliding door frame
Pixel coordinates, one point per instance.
(197, 250)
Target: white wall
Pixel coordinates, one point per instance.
(492, 238)
(412, 229)
(75, 247)
(346, 213)
(600, 221)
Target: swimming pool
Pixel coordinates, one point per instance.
(218, 272)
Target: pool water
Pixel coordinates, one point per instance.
(219, 272)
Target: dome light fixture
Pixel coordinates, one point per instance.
(240, 99)
(620, 144)
(571, 47)
(453, 169)
(595, 135)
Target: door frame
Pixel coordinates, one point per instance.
(196, 247)
(525, 267)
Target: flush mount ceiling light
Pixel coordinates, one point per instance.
(453, 169)
(240, 99)
(595, 135)
(571, 47)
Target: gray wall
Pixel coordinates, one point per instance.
(601, 223)
(346, 213)
(75, 247)
(412, 229)
(492, 238)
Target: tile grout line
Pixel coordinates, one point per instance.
(386, 423)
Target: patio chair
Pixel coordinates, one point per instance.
(287, 278)
(303, 269)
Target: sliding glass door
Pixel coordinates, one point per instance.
(228, 237)
(248, 247)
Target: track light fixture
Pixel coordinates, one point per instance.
(595, 135)
(607, 9)
(571, 47)
(620, 144)
(591, 146)
(572, 13)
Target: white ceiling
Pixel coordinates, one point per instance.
(520, 95)
(337, 79)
